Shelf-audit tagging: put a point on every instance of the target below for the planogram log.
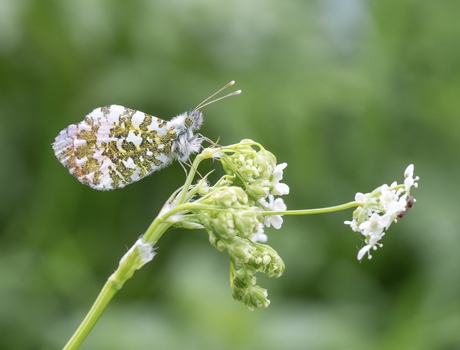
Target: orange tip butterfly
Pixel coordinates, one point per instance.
(115, 146)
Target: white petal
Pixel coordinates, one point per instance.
(363, 251)
(277, 221)
(409, 172)
(259, 237)
(278, 172)
(280, 189)
(279, 205)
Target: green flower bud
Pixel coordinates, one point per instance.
(248, 222)
(241, 279)
(245, 290)
(256, 193)
(253, 296)
(240, 251)
(266, 260)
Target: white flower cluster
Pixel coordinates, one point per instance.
(379, 209)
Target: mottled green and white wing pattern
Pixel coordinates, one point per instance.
(115, 146)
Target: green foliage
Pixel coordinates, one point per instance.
(348, 93)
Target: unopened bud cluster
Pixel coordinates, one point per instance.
(231, 211)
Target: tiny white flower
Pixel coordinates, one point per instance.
(395, 207)
(409, 172)
(371, 227)
(363, 251)
(278, 172)
(360, 197)
(387, 195)
(373, 238)
(260, 236)
(367, 248)
(386, 220)
(273, 205)
(279, 189)
(353, 224)
(409, 179)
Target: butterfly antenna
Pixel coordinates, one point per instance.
(205, 102)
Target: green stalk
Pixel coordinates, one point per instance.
(110, 288)
(128, 265)
(315, 211)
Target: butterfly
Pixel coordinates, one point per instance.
(115, 146)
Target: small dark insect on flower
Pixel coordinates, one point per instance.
(409, 204)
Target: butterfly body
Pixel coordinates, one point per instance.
(115, 146)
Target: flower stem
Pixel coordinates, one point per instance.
(128, 265)
(108, 291)
(188, 181)
(314, 211)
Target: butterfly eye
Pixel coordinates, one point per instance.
(189, 121)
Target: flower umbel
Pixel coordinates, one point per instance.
(234, 211)
(379, 209)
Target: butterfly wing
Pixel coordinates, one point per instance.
(115, 146)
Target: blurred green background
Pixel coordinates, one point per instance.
(347, 92)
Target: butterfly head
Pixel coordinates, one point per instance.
(186, 142)
(193, 119)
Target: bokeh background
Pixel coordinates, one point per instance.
(347, 92)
